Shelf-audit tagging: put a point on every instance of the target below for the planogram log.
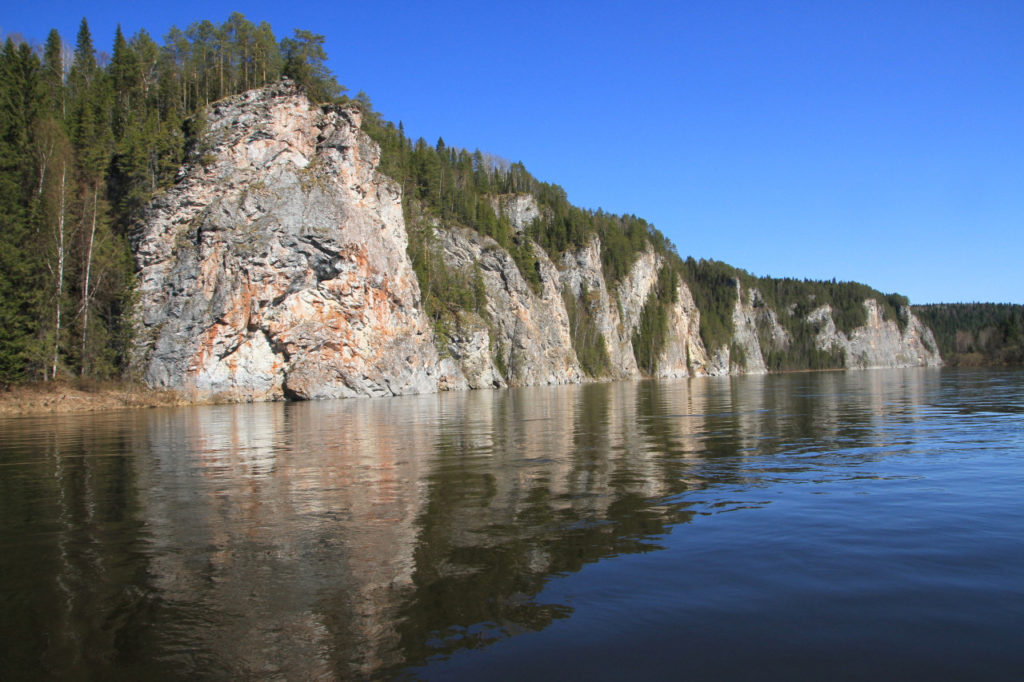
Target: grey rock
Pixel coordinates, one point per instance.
(880, 342)
(277, 266)
(530, 331)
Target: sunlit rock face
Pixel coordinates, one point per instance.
(530, 334)
(520, 209)
(880, 342)
(581, 275)
(684, 353)
(277, 265)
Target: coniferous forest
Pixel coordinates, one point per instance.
(87, 139)
(977, 334)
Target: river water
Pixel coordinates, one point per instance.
(804, 526)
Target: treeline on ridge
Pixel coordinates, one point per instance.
(713, 285)
(452, 186)
(448, 185)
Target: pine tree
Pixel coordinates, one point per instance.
(124, 77)
(305, 63)
(267, 58)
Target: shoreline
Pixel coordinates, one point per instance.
(64, 397)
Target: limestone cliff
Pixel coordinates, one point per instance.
(879, 343)
(276, 267)
(684, 353)
(582, 277)
(530, 331)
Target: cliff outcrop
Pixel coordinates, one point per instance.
(530, 336)
(276, 267)
(879, 343)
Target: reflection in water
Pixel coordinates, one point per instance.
(356, 538)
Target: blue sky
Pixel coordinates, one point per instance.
(881, 142)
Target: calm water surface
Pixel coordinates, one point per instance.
(810, 526)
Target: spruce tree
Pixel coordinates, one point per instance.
(21, 98)
(305, 63)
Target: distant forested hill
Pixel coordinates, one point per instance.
(976, 334)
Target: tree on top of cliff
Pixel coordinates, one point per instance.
(305, 63)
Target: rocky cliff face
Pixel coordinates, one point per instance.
(276, 267)
(529, 331)
(684, 353)
(520, 209)
(879, 343)
(582, 276)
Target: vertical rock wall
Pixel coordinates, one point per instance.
(277, 267)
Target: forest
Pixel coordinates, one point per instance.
(976, 334)
(87, 139)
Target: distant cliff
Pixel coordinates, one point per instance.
(278, 266)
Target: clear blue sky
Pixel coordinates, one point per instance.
(874, 141)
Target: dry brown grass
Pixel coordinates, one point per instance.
(81, 396)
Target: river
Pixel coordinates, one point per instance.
(835, 525)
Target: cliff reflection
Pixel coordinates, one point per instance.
(293, 527)
(351, 537)
(356, 538)
(568, 479)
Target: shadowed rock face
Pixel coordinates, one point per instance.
(277, 267)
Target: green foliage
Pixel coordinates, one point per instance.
(521, 250)
(971, 334)
(801, 353)
(20, 262)
(457, 186)
(737, 355)
(846, 299)
(305, 63)
(445, 292)
(565, 227)
(713, 285)
(453, 186)
(587, 340)
(649, 338)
